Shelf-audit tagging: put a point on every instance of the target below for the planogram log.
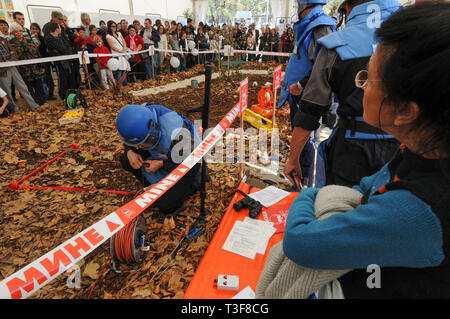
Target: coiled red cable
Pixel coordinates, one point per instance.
(123, 243)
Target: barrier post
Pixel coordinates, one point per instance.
(243, 101)
(276, 86)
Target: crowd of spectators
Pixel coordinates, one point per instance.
(36, 82)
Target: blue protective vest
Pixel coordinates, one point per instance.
(171, 124)
(357, 39)
(299, 64)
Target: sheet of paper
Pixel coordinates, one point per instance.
(266, 232)
(246, 293)
(269, 196)
(243, 240)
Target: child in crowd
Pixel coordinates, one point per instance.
(7, 108)
(92, 34)
(81, 42)
(105, 73)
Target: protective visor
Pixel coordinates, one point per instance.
(149, 142)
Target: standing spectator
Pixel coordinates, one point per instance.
(19, 18)
(274, 43)
(255, 33)
(287, 41)
(189, 26)
(176, 47)
(137, 26)
(179, 30)
(166, 26)
(136, 43)
(4, 30)
(202, 44)
(32, 74)
(11, 75)
(58, 45)
(214, 45)
(56, 17)
(85, 23)
(151, 38)
(80, 42)
(173, 26)
(251, 44)
(163, 44)
(92, 34)
(118, 45)
(49, 84)
(105, 73)
(124, 28)
(157, 24)
(190, 37)
(184, 49)
(102, 24)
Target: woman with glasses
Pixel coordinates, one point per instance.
(117, 44)
(397, 241)
(156, 141)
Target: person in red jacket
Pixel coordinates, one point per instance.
(105, 72)
(81, 42)
(136, 43)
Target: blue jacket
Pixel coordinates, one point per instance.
(171, 124)
(394, 229)
(358, 39)
(299, 64)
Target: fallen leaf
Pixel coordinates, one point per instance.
(142, 293)
(91, 270)
(10, 158)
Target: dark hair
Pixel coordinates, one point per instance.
(108, 27)
(34, 24)
(101, 22)
(189, 20)
(4, 22)
(17, 13)
(415, 43)
(81, 28)
(52, 26)
(92, 27)
(131, 27)
(149, 20)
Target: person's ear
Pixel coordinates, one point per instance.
(407, 114)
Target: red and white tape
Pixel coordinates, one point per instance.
(94, 55)
(31, 278)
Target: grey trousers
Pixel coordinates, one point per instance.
(13, 76)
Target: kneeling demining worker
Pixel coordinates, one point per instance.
(155, 144)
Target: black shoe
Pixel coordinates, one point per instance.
(52, 97)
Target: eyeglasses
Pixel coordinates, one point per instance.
(113, 26)
(362, 77)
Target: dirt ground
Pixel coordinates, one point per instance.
(32, 222)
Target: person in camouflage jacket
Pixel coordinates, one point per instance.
(32, 74)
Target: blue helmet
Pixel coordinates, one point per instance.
(302, 2)
(138, 126)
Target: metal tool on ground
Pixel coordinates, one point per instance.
(186, 234)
